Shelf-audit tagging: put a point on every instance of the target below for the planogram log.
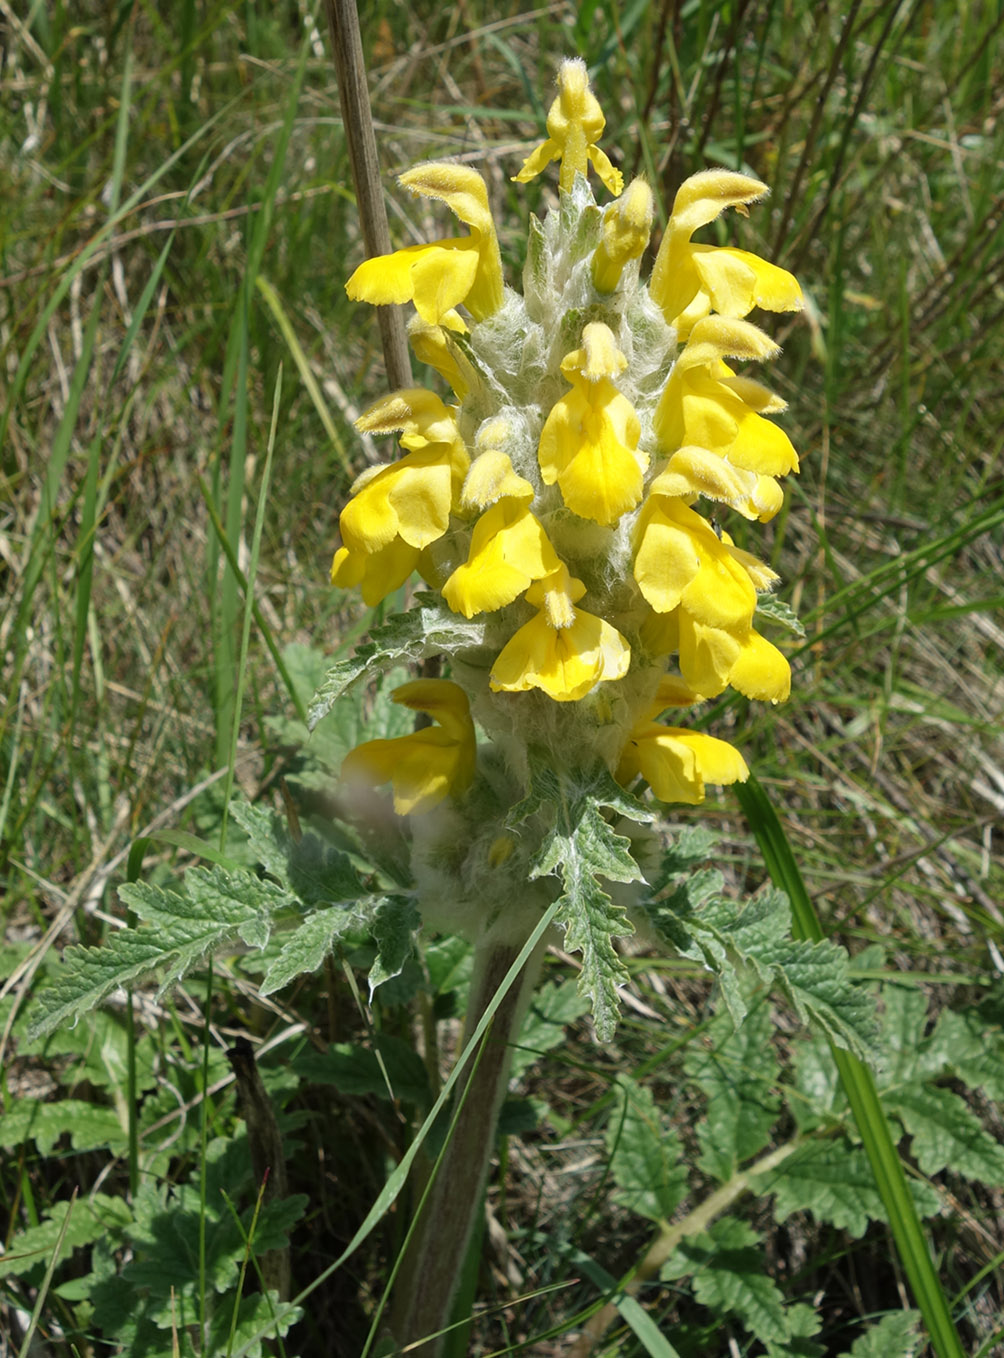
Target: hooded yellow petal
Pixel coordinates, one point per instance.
(736, 281)
(377, 573)
(676, 763)
(565, 663)
(574, 123)
(509, 550)
(427, 765)
(435, 277)
(761, 671)
(410, 499)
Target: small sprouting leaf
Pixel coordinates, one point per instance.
(88, 1125)
(552, 1009)
(946, 1134)
(771, 609)
(896, 1335)
(428, 628)
(835, 1182)
(396, 1072)
(737, 1072)
(645, 1155)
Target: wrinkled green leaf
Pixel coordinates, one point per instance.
(645, 1155)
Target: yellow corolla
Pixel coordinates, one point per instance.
(677, 763)
(410, 499)
(627, 225)
(509, 550)
(679, 561)
(428, 765)
(563, 651)
(441, 276)
(688, 281)
(704, 404)
(589, 443)
(375, 574)
(574, 124)
(712, 658)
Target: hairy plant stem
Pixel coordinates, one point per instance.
(433, 1262)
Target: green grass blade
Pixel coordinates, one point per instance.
(862, 1094)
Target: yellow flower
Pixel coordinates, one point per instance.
(409, 499)
(704, 404)
(427, 765)
(676, 763)
(432, 345)
(509, 550)
(712, 658)
(695, 471)
(688, 281)
(680, 562)
(574, 124)
(589, 443)
(376, 574)
(563, 651)
(440, 276)
(627, 225)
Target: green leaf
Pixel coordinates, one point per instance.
(360, 1070)
(552, 1009)
(218, 908)
(965, 1043)
(306, 948)
(88, 1125)
(895, 1336)
(946, 1134)
(737, 1072)
(314, 872)
(729, 1278)
(394, 923)
(834, 1181)
(803, 1323)
(579, 845)
(428, 628)
(645, 1155)
(92, 1218)
(771, 609)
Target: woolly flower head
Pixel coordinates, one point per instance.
(559, 506)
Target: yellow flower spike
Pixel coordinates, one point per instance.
(690, 280)
(699, 405)
(695, 471)
(677, 763)
(428, 765)
(680, 562)
(440, 276)
(589, 443)
(563, 651)
(509, 551)
(574, 124)
(627, 225)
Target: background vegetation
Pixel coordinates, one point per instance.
(175, 230)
